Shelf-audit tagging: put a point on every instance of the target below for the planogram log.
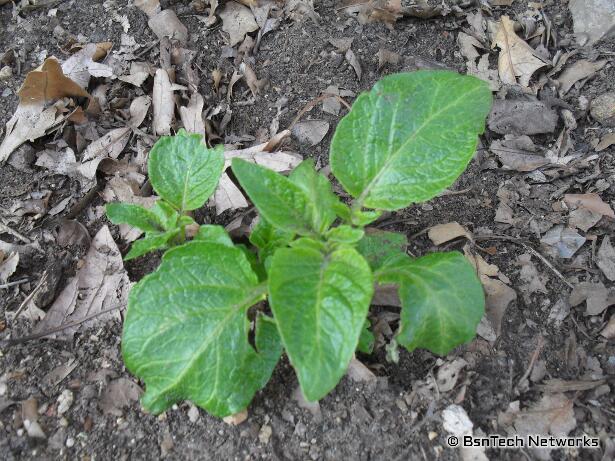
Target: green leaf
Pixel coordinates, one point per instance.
(318, 188)
(362, 218)
(213, 234)
(409, 138)
(367, 339)
(345, 234)
(186, 331)
(266, 236)
(134, 215)
(377, 246)
(183, 171)
(442, 301)
(166, 214)
(151, 242)
(320, 302)
(282, 203)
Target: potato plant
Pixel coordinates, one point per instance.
(210, 324)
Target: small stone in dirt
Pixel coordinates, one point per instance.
(70, 442)
(167, 443)
(456, 421)
(65, 400)
(236, 419)
(603, 109)
(193, 414)
(265, 434)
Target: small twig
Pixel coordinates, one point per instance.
(12, 284)
(42, 334)
(528, 248)
(146, 49)
(26, 301)
(21, 237)
(535, 355)
(310, 105)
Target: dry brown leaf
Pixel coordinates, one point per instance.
(387, 57)
(236, 419)
(139, 108)
(163, 102)
(47, 84)
(442, 233)
(591, 202)
(31, 120)
(580, 70)
(553, 414)
(358, 372)
(118, 394)
(27, 124)
(237, 21)
(100, 284)
(517, 60)
(149, 7)
(8, 266)
(607, 141)
(609, 331)
(354, 63)
(81, 66)
(192, 115)
(310, 132)
(167, 24)
(228, 196)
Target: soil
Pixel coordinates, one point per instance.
(388, 418)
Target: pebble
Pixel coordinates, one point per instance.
(603, 109)
(65, 400)
(5, 73)
(193, 414)
(265, 434)
(70, 442)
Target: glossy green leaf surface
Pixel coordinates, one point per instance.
(442, 301)
(345, 234)
(366, 340)
(409, 138)
(318, 189)
(134, 215)
(186, 331)
(377, 246)
(320, 302)
(183, 171)
(213, 234)
(282, 202)
(151, 242)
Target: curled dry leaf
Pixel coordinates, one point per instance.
(81, 66)
(237, 21)
(517, 61)
(354, 63)
(236, 419)
(118, 394)
(163, 102)
(192, 115)
(100, 284)
(139, 108)
(8, 265)
(32, 118)
(227, 195)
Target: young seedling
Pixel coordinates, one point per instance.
(210, 324)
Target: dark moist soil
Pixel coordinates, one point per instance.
(380, 420)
